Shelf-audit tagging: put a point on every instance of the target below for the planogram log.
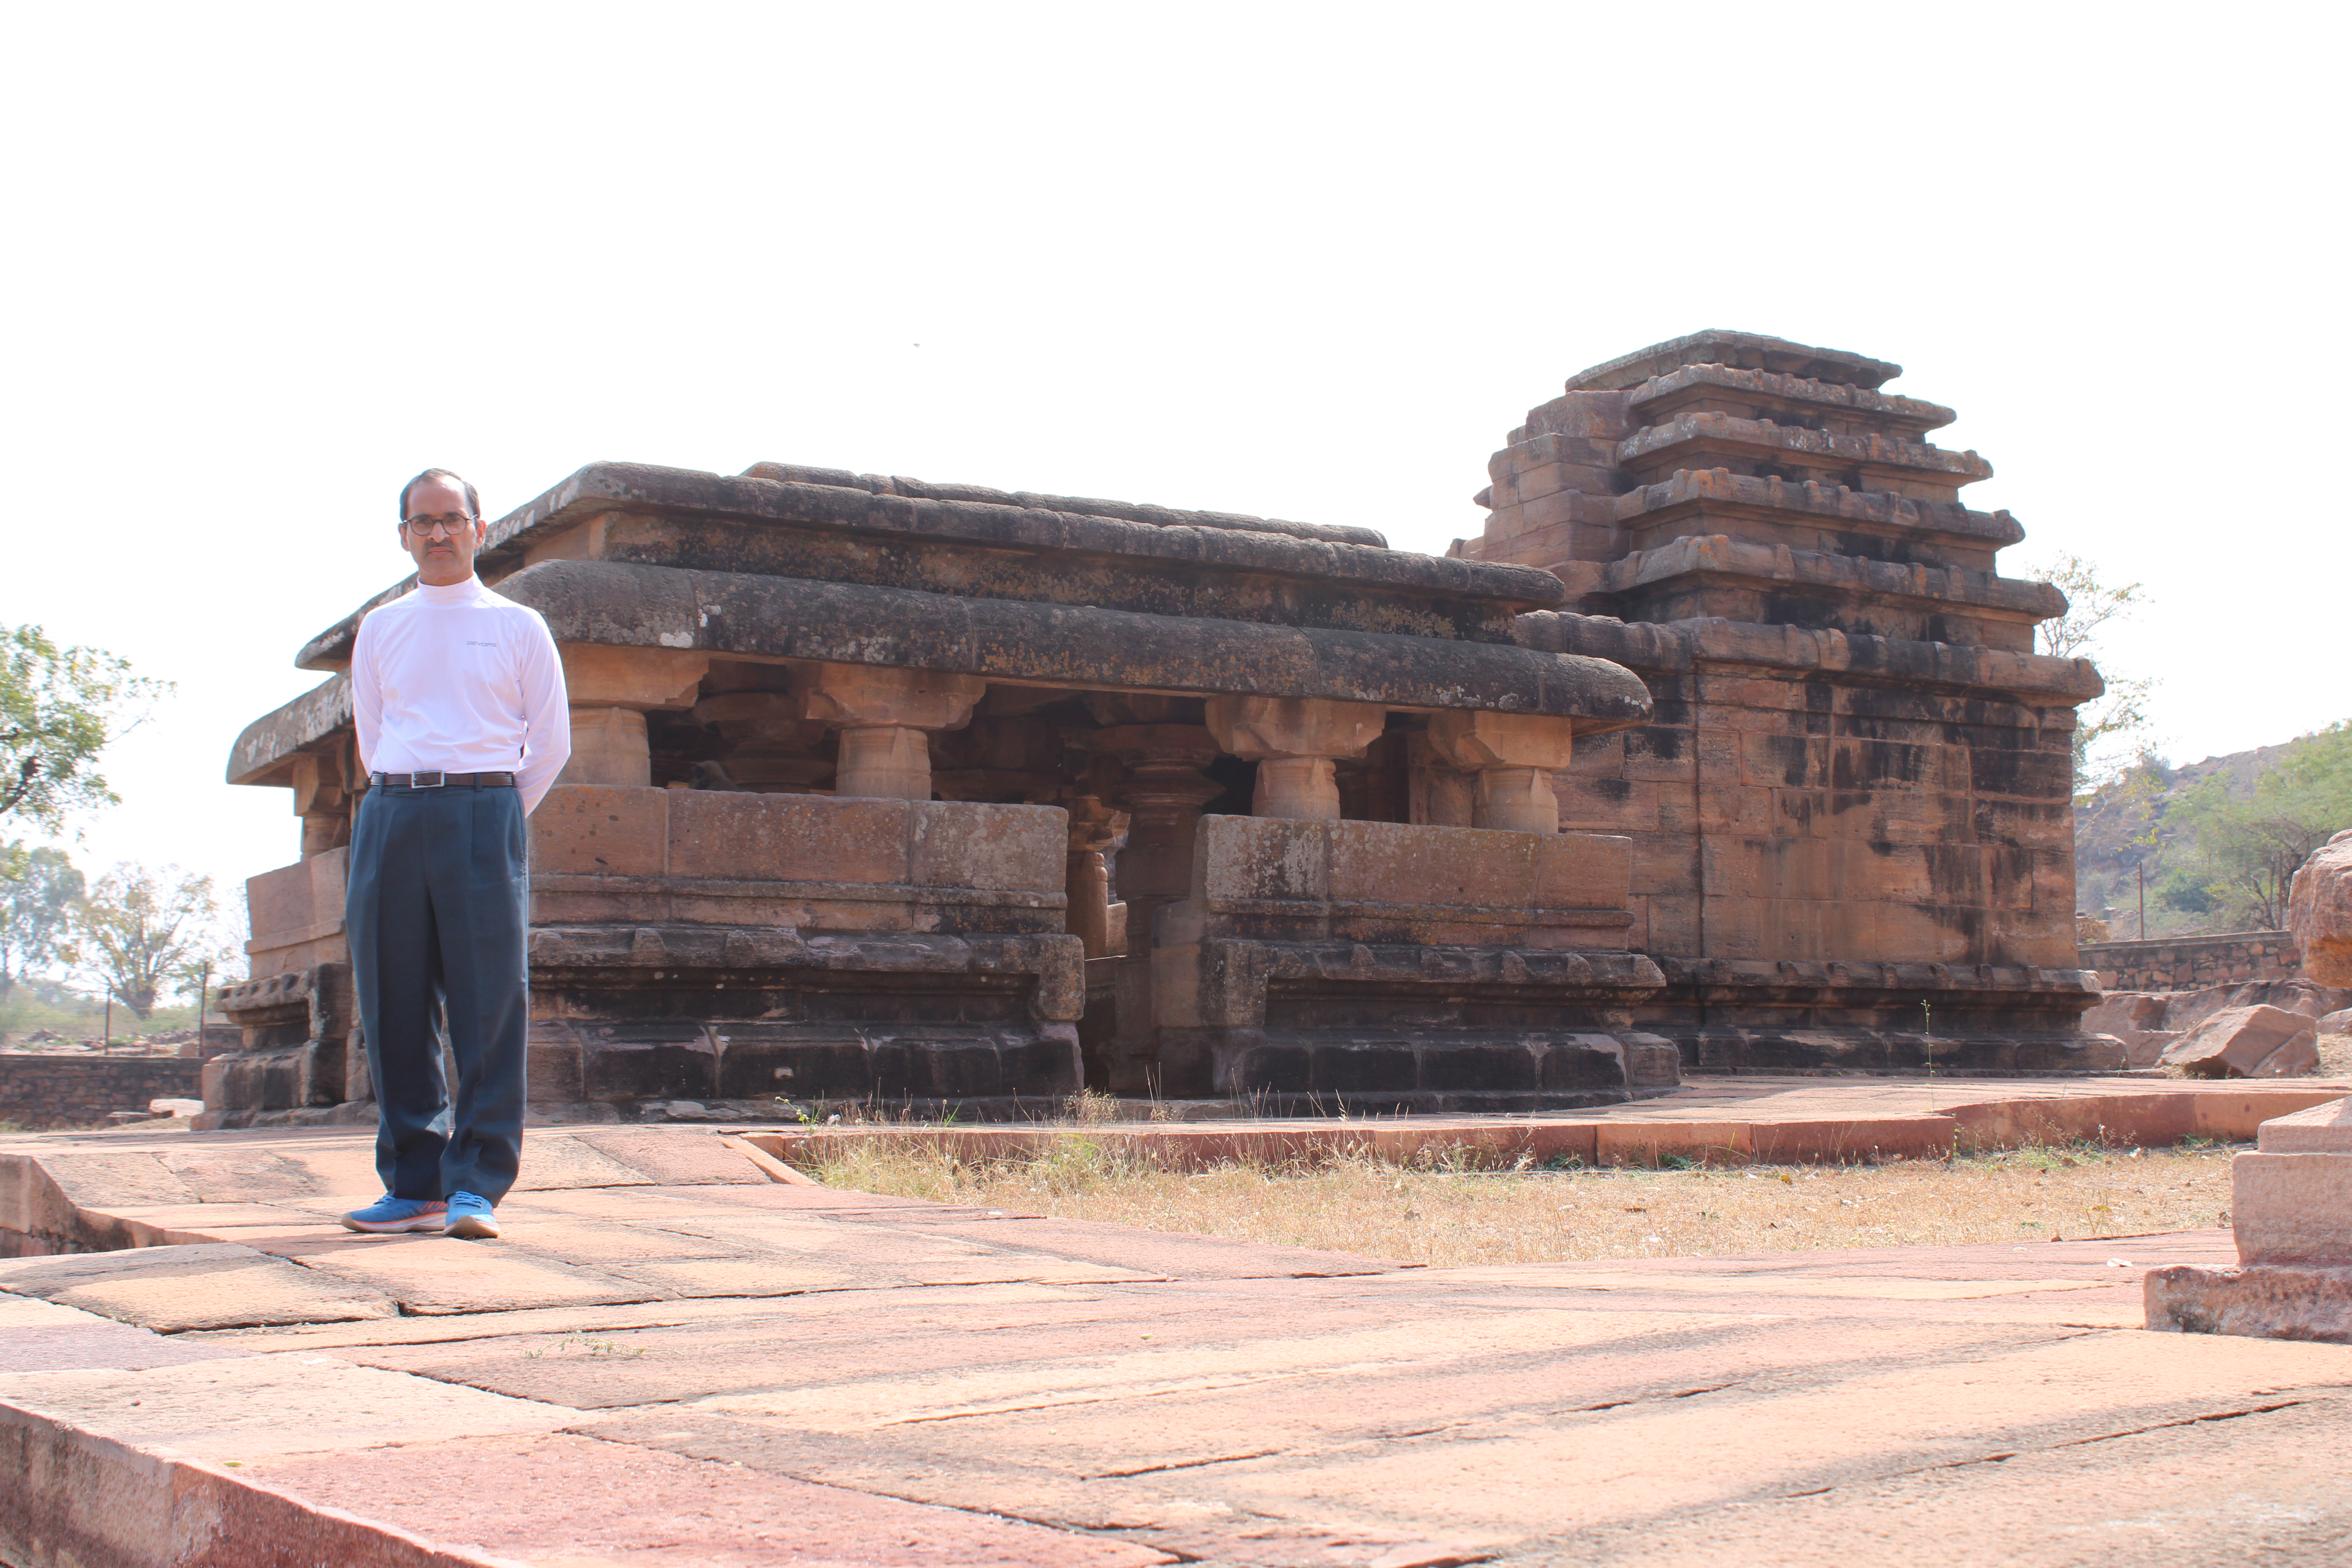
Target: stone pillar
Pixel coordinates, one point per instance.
(1514, 755)
(323, 800)
(1163, 790)
(608, 747)
(612, 689)
(1093, 825)
(1295, 740)
(884, 716)
(1439, 793)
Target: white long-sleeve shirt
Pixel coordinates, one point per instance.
(460, 681)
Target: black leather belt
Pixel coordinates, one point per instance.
(441, 781)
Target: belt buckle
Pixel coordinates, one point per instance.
(440, 778)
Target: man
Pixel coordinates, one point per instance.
(463, 724)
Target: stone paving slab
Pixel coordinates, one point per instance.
(706, 1369)
(212, 1285)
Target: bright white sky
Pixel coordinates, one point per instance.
(266, 262)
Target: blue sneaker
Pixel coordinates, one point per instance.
(389, 1214)
(471, 1219)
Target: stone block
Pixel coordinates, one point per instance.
(2291, 1208)
(1387, 862)
(1472, 739)
(2323, 1129)
(609, 746)
(1582, 871)
(788, 838)
(592, 830)
(296, 914)
(1569, 1064)
(552, 1067)
(1664, 865)
(1652, 1061)
(1605, 805)
(596, 676)
(2271, 1301)
(998, 849)
(2248, 1042)
(1262, 858)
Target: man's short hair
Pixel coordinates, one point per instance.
(473, 497)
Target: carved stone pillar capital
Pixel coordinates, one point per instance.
(860, 696)
(884, 716)
(1295, 740)
(1514, 755)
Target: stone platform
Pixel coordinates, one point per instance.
(683, 1354)
(1715, 1120)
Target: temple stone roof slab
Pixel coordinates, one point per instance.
(1181, 565)
(1745, 351)
(1062, 645)
(1083, 506)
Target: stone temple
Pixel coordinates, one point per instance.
(1724, 747)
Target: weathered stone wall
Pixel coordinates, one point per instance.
(2193, 962)
(38, 1090)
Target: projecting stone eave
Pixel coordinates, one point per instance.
(1745, 351)
(1717, 557)
(741, 617)
(1672, 647)
(1656, 446)
(269, 745)
(1879, 510)
(1193, 542)
(1912, 415)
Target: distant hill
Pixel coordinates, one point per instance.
(2123, 827)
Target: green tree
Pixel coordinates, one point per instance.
(142, 931)
(2248, 847)
(2117, 722)
(59, 708)
(38, 889)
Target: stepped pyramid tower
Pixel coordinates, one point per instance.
(1851, 808)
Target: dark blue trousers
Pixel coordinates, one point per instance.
(437, 914)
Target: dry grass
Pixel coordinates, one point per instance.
(1447, 1217)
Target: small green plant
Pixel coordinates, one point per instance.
(1676, 1162)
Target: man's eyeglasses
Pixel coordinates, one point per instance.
(450, 524)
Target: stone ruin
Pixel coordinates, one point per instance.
(1850, 811)
(1723, 748)
(2290, 1196)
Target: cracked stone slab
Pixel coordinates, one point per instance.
(431, 1274)
(215, 1285)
